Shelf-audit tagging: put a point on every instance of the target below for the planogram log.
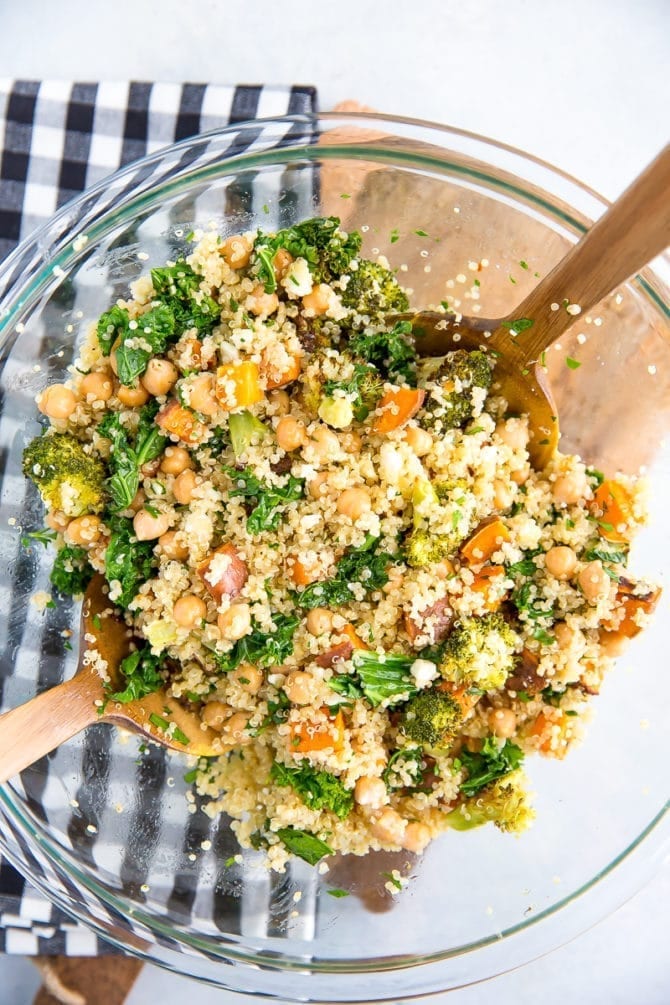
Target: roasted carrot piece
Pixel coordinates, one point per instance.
(305, 738)
(354, 638)
(397, 407)
(238, 385)
(179, 421)
(613, 506)
(275, 378)
(632, 604)
(482, 582)
(484, 542)
(461, 695)
(301, 574)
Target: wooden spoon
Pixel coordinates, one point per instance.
(42, 724)
(634, 230)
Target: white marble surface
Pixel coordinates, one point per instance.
(582, 83)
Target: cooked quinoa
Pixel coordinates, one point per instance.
(336, 552)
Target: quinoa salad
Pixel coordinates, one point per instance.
(332, 550)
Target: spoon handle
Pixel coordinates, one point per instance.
(41, 724)
(627, 236)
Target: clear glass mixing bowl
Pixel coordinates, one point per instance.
(104, 828)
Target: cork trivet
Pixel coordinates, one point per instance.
(72, 980)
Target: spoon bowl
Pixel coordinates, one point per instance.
(32, 730)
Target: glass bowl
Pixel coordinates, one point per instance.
(102, 826)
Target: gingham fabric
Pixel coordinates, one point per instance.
(57, 139)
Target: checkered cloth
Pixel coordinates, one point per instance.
(56, 139)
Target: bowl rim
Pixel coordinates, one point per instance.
(44, 234)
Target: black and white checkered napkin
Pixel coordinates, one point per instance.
(58, 138)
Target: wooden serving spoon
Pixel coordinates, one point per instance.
(42, 724)
(634, 230)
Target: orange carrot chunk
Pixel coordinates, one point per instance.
(306, 737)
(632, 605)
(275, 378)
(173, 418)
(613, 507)
(484, 542)
(397, 407)
(238, 385)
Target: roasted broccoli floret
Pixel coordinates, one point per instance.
(450, 402)
(374, 291)
(68, 478)
(423, 547)
(480, 652)
(431, 718)
(504, 803)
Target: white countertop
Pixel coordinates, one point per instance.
(581, 83)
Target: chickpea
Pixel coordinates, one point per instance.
(419, 440)
(416, 837)
(279, 402)
(389, 827)
(352, 442)
(514, 433)
(183, 486)
(248, 677)
(96, 386)
(317, 302)
(502, 722)
(569, 488)
(613, 644)
(560, 561)
(563, 634)
(159, 377)
(132, 397)
(57, 521)
(323, 446)
(84, 530)
(189, 610)
(281, 263)
(444, 569)
(235, 729)
(172, 547)
(215, 713)
(396, 579)
(594, 582)
(354, 503)
(236, 251)
(291, 433)
(175, 460)
(235, 622)
(318, 485)
(298, 687)
(260, 303)
(201, 394)
(148, 527)
(503, 494)
(521, 475)
(57, 402)
(319, 621)
(138, 501)
(370, 792)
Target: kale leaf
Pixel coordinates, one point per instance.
(319, 790)
(71, 572)
(303, 844)
(389, 352)
(489, 764)
(141, 672)
(362, 565)
(127, 560)
(269, 500)
(178, 287)
(260, 648)
(125, 459)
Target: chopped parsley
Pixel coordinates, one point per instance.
(518, 325)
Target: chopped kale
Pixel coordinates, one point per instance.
(303, 844)
(319, 790)
(391, 353)
(127, 560)
(71, 572)
(268, 500)
(261, 648)
(489, 764)
(141, 670)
